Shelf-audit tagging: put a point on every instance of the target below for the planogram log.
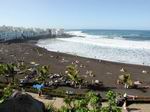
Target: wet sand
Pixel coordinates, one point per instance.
(104, 71)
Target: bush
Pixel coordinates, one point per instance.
(7, 92)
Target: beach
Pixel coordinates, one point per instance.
(104, 71)
(75, 56)
(113, 45)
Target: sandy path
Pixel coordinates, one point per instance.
(139, 108)
(58, 102)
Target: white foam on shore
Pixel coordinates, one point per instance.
(116, 42)
(117, 49)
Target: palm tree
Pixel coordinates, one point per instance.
(126, 80)
(8, 70)
(2, 70)
(7, 92)
(43, 73)
(73, 75)
(21, 65)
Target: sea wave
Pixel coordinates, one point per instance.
(81, 34)
(100, 47)
(103, 40)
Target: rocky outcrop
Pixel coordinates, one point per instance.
(19, 102)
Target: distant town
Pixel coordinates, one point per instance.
(10, 32)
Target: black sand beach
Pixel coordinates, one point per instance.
(104, 71)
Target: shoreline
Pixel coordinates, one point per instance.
(73, 46)
(102, 60)
(34, 41)
(104, 71)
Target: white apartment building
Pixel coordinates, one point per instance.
(9, 33)
(57, 32)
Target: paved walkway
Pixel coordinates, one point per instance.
(58, 102)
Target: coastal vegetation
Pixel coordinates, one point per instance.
(43, 72)
(8, 71)
(92, 102)
(7, 92)
(24, 77)
(88, 102)
(73, 74)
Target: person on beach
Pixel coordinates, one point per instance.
(39, 88)
(125, 101)
(126, 97)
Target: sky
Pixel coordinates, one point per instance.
(76, 14)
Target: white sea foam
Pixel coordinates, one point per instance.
(116, 42)
(81, 34)
(101, 47)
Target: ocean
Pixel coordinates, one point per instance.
(125, 46)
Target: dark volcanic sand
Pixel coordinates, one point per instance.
(107, 72)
